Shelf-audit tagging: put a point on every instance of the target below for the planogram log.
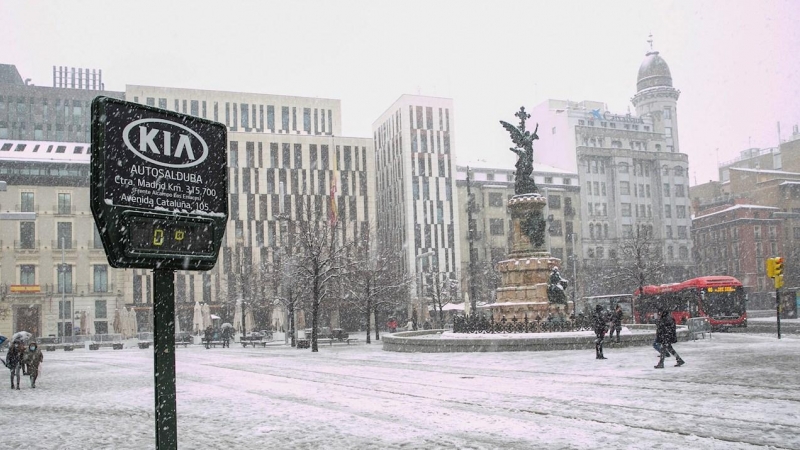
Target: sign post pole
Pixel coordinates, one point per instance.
(164, 358)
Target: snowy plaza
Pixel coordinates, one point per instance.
(737, 391)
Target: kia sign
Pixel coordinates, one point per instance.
(159, 186)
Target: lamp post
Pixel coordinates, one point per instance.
(419, 276)
(574, 274)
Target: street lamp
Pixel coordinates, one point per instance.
(419, 275)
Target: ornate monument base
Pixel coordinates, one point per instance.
(525, 275)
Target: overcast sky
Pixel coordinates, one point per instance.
(735, 62)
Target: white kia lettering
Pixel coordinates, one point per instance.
(146, 140)
(182, 156)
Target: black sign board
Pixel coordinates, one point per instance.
(159, 186)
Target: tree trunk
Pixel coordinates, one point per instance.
(369, 310)
(377, 334)
(315, 312)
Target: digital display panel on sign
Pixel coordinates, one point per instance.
(159, 186)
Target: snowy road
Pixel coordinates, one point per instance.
(737, 391)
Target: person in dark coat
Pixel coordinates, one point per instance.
(666, 335)
(599, 324)
(209, 335)
(31, 360)
(14, 360)
(226, 337)
(616, 320)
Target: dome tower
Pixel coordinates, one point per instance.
(656, 97)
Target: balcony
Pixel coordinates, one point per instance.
(64, 210)
(68, 245)
(27, 246)
(27, 208)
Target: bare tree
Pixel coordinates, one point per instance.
(320, 261)
(442, 290)
(639, 260)
(374, 284)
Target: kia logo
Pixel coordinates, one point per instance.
(165, 143)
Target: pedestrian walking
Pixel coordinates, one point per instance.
(616, 322)
(209, 335)
(392, 325)
(666, 335)
(599, 324)
(31, 360)
(14, 360)
(226, 337)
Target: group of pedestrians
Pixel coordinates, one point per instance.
(23, 359)
(210, 334)
(666, 334)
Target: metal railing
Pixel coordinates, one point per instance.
(64, 210)
(27, 245)
(479, 324)
(68, 245)
(19, 208)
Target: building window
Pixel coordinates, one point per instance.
(679, 190)
(63, 235)
(682, 232)
(27, 235)
(683, 253)
(64, 203)
(668, 131)
(496, 227)
(27, 274)
(553, 201)
(64, 279)
(680, 212)
(757, 231)
(624, 188)
(27, 202)
(773, 232)
(668, 113)
(668, 211)
(627, 231)
(669, 232)
(555, 228)
(495, 199)
(100, 309)
(101, 278)
(626, 209)
(623, 168)
(285, 118)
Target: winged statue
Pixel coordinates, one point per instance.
(523, 139)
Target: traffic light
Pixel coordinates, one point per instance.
(778, 267)
(778, 281)
(771, 267)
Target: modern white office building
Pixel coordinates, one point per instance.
(416, 196)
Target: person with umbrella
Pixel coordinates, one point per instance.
(14, 360)
(226, 334)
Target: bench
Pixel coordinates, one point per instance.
(253, 342)
(144, 345)
(213, 343)
(331, 341)
(303, 343)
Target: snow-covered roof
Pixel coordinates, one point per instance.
(776, 172)
(735, 207)
(793, 183)
(45, 151)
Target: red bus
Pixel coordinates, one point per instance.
(720, 299)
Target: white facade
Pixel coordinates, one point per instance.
(416, 192)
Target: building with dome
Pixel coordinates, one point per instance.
(634, 183)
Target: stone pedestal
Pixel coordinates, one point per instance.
(524, 276)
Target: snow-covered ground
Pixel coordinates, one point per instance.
(736, 391)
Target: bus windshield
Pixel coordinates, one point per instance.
(722, 304)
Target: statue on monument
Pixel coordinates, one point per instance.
(523, 140)
(556, 288)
